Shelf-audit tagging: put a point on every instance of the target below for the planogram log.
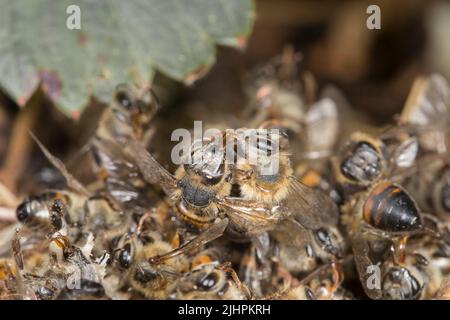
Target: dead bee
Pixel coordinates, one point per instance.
(385, 213)
(75, 212)
(46, 212)
(361, 162)
(408, 281)
(129, 114)
(265, 200)
(280, 99)
(323, 283)
(211, 281)
(155, 281)
(127, 118)
(49, 266)
(209, 278)
(366, 159)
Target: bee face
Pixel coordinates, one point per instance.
(147, 277)
(155, 281)
(329, 240)
(204, 282)
(400, 284)
(205, 175)
(131, 109)
(263, 186)
(389, 207)
(132, 101)
(125, 256)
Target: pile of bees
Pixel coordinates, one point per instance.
(366, 216)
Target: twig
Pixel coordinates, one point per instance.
(7, 214)
(19, 148)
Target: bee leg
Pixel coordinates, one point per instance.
(242, 286)
(338, 274)
(18, 260)
(17, 250)
(212, 232)
(398, 251)
(141, 222)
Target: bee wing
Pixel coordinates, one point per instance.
(121, 170)
(309, 207)
(250, 217)
(109, 155)
(364, 266)
(214, 231)
(17, 250)
(428, 103)
(72, 182)
(406, 153)
(322, 126)
(291, 232)
(152, 171)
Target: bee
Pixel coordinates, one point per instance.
(366, 159)
(44, 269)
(74, 213)
(317, 211)
(323, 283)
(384, 213)
(211, 281)
(280, 99)
(361, 162)
(208, 278)
(201, 189)
(133, 256)
(129, 115)
(403, 282)
(44, 212)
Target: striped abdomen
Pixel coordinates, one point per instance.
(390, 208)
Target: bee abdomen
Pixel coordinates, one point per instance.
(390, 208)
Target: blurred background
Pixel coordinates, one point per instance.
(374, 69)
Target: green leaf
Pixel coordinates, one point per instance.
(119, 41)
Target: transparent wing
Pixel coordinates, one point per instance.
(428, 103)
(364, 265)
(214, 231)
(72, 182)
(152, 171)
(250, 218)
(311, 208)
(291, 232)
(322, 126)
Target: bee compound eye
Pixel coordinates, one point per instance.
(145, 275)
(123, 99)
(322, 235)
(23, 211)
(209, 282)
(445, 197)
(124, 257)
